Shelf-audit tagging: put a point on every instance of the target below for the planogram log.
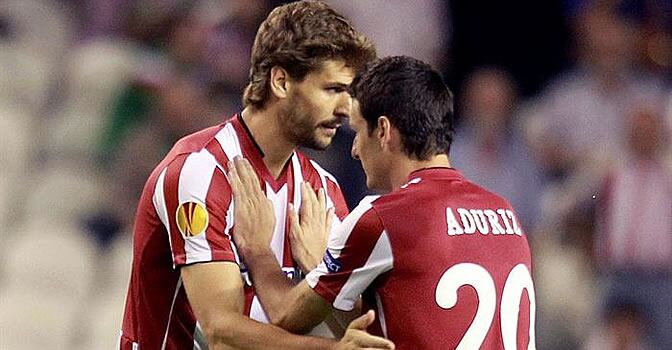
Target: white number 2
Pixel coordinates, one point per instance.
(478, 277)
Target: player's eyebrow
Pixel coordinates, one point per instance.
(337, 84)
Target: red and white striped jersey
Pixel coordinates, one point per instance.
(185, 216)
(443, 261)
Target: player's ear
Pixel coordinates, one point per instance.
(384, 131)
(279, 82)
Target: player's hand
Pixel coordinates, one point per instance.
(356, 336)
(253, 212)
(309, 228)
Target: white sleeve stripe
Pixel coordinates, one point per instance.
(338, 239)
(228, 140)
(159, 200)
(380, 261)
(338, 236)
(194, 182)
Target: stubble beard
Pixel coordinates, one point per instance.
(301, 131)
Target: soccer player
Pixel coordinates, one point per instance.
(444, 262)
(189, 288)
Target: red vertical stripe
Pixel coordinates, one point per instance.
(217, 202)
(170, 191)
(337, 197)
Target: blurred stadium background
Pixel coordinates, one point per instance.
(564, 107)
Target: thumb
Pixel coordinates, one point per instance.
(363, 321)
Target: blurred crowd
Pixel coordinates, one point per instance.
(563, 107)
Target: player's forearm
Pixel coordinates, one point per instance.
(271, 284)
(235, 331)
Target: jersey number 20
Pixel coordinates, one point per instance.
(480, 279)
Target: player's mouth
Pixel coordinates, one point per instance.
(330, 127)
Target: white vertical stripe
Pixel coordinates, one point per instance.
(257, 312)
(230, 144)
(381, 314)
(228, 140)
(135, 346)
(170, 315)
(323, 177)
(298, 180)
(159, 200)
(279, 200)
(380, 261)
(192, 188)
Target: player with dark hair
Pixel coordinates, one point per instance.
(443, 261)
(188, 285)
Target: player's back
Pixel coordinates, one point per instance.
(460, 275)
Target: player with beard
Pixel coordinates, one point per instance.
(443, 261)
(189, 287)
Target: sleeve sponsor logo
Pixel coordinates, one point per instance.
(192, 219)
(333, 264)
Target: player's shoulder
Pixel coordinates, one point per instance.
(488, 197)
(363, 215)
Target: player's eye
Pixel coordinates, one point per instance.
(336, 89)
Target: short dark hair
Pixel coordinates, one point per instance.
(414, 97)
(299, 37)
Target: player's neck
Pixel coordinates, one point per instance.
(267, 132)
(405, 166)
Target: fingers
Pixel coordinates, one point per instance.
(322, 198)
(367, 341)
(363, 321)
(308, 199)
(356, 332)
(248, 176)
(235, 181)
(330, 219)
(294, 223)
(243, 178)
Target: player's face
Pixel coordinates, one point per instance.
(366, 148)
(318, 105)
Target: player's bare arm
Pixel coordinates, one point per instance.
(215, 292)
(295, 308)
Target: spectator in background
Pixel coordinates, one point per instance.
(489, 147)
(633, 241)
(192, 61)
(399, 27)
(582, 116)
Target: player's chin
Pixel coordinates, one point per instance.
(318, 142)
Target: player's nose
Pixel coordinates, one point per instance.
(353, 150)
(344, 106)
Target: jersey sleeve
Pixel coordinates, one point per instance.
(357, 253)
(193, 200)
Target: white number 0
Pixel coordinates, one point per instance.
(476, 276)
